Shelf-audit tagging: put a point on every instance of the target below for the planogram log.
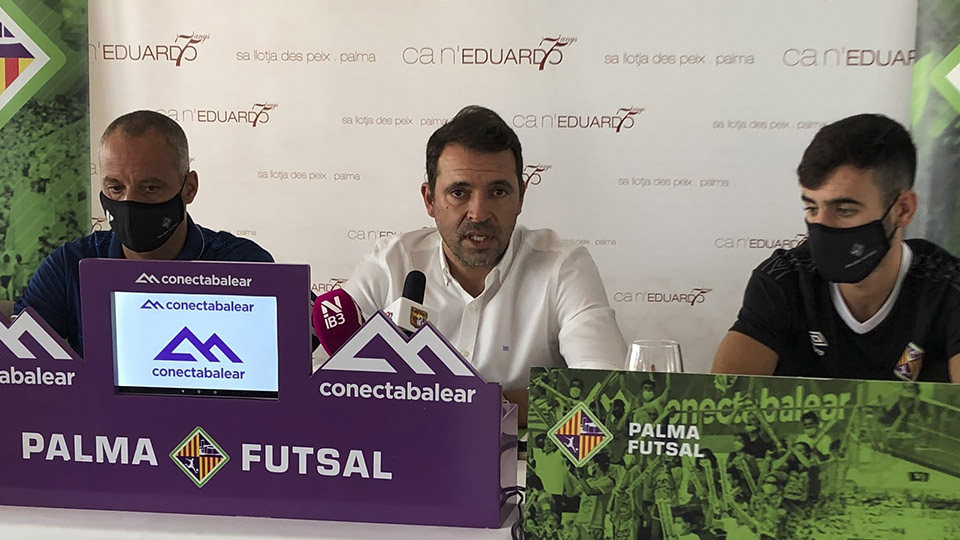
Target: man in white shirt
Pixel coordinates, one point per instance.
(507, 297)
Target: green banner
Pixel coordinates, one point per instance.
(935, 119)
(44, 134)
(631, 456)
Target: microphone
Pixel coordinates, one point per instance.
(336, 317)
(408, 311)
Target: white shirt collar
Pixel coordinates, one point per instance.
(863, 327)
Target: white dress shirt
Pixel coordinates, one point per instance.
(543, 304)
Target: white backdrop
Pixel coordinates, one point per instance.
(308, 120)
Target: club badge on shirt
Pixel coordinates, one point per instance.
(908, 368)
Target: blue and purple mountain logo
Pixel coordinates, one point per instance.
(204, 348)
(150, 304)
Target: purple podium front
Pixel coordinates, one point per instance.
(391, 429)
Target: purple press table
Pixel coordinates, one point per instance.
(26, 523)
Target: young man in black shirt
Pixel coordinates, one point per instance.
(855, 300)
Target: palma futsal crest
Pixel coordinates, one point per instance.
(199, 456)
(580, 435)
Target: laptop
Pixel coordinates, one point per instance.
(213, 329)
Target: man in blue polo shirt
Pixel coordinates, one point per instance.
(146, 183)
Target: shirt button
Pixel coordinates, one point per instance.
(465, 354)
(472, 307)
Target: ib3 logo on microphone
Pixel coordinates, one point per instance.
(332, 312)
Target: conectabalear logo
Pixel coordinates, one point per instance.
(205, 348)
(549, 52)
(257, 114)
(31, 354)
(379, 347)
(622, 120)
(533, 174)
(181, 49)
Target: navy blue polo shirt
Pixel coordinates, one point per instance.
(54, 290)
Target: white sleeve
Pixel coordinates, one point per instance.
(589, 335)
(370, 282)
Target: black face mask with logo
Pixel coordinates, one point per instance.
(143, 227)
(849, 255)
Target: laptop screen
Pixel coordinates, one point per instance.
(195, 344)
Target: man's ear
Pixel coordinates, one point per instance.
(428, 200)
(905, 208)
(190, 186)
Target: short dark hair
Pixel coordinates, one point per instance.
(138, 123)
(864, 141)
(476, 128)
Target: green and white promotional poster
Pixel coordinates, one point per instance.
(634, 456)
(935, 119)
(44, 134)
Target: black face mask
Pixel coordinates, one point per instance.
(141, 226)
(848, 255)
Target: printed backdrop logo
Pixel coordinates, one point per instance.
(697, 295)
(182, 49)
(329, 285)
(380, 347)
(848, 57)
(722, 242)
(257, 114)
(549, 52)
(580, 435)
(623, 119)
(199, 456)
(532, 174)
(205, 348)
(28, 59)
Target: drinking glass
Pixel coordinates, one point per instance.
(661, 355)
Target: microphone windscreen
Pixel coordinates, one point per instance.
(336, 317)
(414, 286)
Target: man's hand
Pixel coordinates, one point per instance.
(740, 354)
